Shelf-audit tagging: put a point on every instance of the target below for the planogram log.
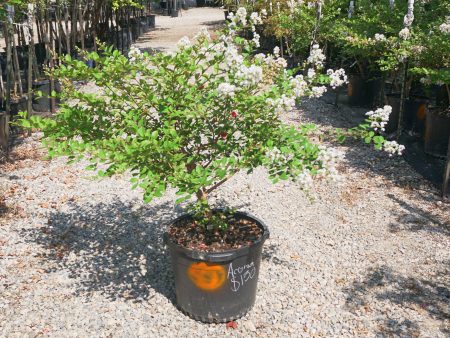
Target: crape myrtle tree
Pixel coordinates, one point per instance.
(192, 118)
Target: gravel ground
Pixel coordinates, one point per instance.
(83, 257)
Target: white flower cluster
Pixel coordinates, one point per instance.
(203, 34)
(184, 42)
(425, 80)
(379, 118)
(299, 86)
(255, 19)
(445, 27)
(379, 37)
(284, 103)
(316, 56)
(392, 148)
(249, 76)
(232, 57)
(305, 180)
(337, 77)
(318, 91)
(329, 158)
(270, 61)
(226, 89)
(404, 34)
(135, 54)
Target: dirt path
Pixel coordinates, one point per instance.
(169, 30)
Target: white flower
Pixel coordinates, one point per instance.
(329, 159)
(316, 56)
(311, 73)
(184, 42)
(276, 51)
(318, 91)
(203, 34)
(425, 80)
(392, 148)
(299, 86)
(379, 37)
(379, 118)
(232, 57)
(255, 18)
(241, 16)
(404, 33)
(337, 78)
(263, 13)
(135, 54)
(445, 28)
(256, 39)
(249, 75)
(226, 89)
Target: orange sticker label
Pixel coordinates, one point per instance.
(207, 277)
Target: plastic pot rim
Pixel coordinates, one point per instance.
(220, 256)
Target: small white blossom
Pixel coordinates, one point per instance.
(379, 118)
(255, 18)
(379, 37)
(329, 159)
(276, 51)
(425, 80)
(392, 148)
(226, 89)
(337, 78)
(135, 54)
(404, 33)
(299, 86)
(184, 42)
(249, 75)
(203, 34)
(316, 56)
(311, 73)
(256, 39)
(318, 91)
(445, 28)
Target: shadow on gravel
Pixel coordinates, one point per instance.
(108, 247)
(402, 171)
(412, 218)
(429, 296)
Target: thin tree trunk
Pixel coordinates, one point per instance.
(17, 77)
(30, 62)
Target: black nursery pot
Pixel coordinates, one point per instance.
(151, 20)
(363, 92)
(437, 132)
(217, 286)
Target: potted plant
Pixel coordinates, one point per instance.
(190, 120)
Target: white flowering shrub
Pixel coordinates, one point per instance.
(192, 118)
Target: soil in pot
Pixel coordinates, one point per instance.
(437, 131)
(240, 232)
(216, 276)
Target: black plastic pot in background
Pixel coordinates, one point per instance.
(151, 20)
(174, 13)
(437, 132)
(201, 3)
(18, 105)
(42, 104)
(363, 92)
(217, 286)
(393, 100)
(143, 20)
(417, 106)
